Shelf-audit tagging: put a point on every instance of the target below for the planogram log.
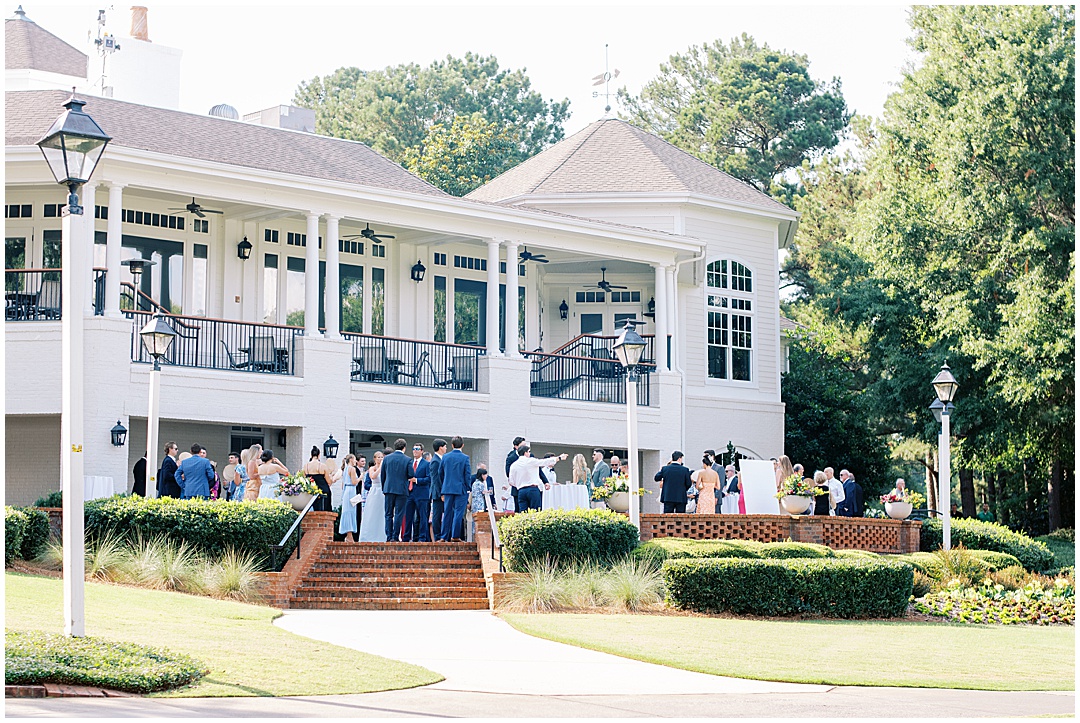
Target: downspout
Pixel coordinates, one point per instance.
(678, 347)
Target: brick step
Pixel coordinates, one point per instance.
(390, 604)
(442, 563)
(394, 576)
(411, 593)
(401, 550)
(407, 582)
(460, 546)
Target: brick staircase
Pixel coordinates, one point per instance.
(394, 576)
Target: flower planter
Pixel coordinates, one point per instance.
(898, 510)
(298, 502)
(619, 502)
(795, 504)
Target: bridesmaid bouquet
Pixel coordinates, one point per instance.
(799, 486)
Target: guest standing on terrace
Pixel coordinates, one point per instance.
(270, 472)
(373, 520)
(457, 479)
(195, 476)
(580, 470)
(435, 472)
(254, 485)
(418, 502)
(240, 478)
(396, 473)
(708, 485)
(319, 473)
(347, 520)
(674, 482)
(525, 475)
(166, 482)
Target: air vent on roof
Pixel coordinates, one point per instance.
(223, 110)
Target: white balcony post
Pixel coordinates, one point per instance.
(311, 277)
(85, 250)
(112, 250)
(660, 347)
(672, 322)
(333, 286)
(492, 298)
(512, 299)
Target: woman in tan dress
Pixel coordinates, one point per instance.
(708, 484)
(251, 492)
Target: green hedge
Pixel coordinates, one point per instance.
(208, 526)
(37, 533)
(34, 658)
(52, 499)
(928, 563)
(676, 548)
(565, 537)
(978, 535)
(840, 588)
(15, 523)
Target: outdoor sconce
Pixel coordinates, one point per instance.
(651, 313)
(281, 438)
(564, 310)
(418, 272)
(119, 434)
(330, 448)
(243, 250)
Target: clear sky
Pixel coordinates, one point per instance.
(252, 56)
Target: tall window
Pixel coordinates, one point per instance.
(378, 301)
(270, 288)
(729, 302)
(352, 297)
(199, 279)
(295, 291)
(440, 308)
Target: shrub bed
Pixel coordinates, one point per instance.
(37, 533)
(34, 658)
(209, 527)
(565, 537)
(842, 588)
(51, 499)
(978, 535)
(15, 523)
(676, 548)
(1033, 604)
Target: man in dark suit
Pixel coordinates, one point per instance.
(138, 473)
(601, 470)
(166, 481)
(195, 476)
(457, 479)
(418, 504)
(435, 472)
(396, 473)
(852, 506)
(674, 482)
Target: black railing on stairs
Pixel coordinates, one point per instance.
(276, 550)
(597, 378)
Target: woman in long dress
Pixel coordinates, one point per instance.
(254, 454)
(319, 473)
(373, 520)
(347, 520)
(270, 471)
(708, 482)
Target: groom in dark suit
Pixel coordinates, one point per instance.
(396, 473)
(456, 482)
(674, 482)
(435, 470)
(418, 505)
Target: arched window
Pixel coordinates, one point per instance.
(729, 287)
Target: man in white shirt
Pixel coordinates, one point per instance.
(836, 488)
(525, 475)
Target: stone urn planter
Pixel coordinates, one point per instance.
(898, 510)
(795, 504)
(619, 502)
(298, 502)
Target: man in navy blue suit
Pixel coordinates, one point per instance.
(456, 481)
(396, 473)
(435, 471)
(418, 504)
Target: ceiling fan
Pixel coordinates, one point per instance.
(369, 234)
(526, 256)
(603, 283)
(196, 209)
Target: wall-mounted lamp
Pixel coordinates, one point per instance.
(564, 310)
(651, 313)
(119, 434)
(418, 271)
(330, 448)
(243, 250)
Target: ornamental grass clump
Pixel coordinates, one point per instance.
(633, 585)
(978, 535)
(540, 589)
(107, 558)
(233, 577)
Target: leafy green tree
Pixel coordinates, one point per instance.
(745, 108)
(393, 110)
(464, 156)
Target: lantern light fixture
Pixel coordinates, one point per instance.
(564, 310)
(243, 250)
(119, 434)
(330, 448)
(72, 147)
(945, 384)
(418, 271)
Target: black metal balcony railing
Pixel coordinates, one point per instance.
(412, 363)
(220, 344)
(99, 291)
(32, 294)
(598, 345)
(594, 378)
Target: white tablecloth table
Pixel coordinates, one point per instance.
(566, 497)
(95, 487)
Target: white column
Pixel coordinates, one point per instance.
(673, 324)
(492, 298)
(333, 285)
(86, 249)
(74, 293)
(112, 251)
(311, 277)
(661, 319)
(512, 299)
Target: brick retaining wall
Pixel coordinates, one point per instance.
(840, 533)
(277, 587)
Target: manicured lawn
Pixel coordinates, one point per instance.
(1064, 551)
(245, 653)
(920, 655)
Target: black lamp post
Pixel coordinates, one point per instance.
(119, 434)
(330, 448)
(243, 249)
(628, 349)
(418, 271)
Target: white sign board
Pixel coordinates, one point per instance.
(759, 487)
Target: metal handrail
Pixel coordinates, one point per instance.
(496, 541)
(275, 549)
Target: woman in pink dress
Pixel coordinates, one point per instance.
(708, 482)
(742, 499)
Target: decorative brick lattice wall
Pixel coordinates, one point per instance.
(841, 533)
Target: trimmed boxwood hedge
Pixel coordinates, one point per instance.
(207, 525)
(15, 523)
(675, 548)
(979, 535)
(565, 537)
(840, 588)
(33, 658)
(37, 533)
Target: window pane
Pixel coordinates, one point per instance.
(742, 342)
(468, 298)
(717, 343)
(378, 300)
(716, 275)
(175, 286)
(741, 278)
(295, 291)
(440, 308)
(740, 364)
(199, 279)
(352, 298)
(717, 362)
(15, 253)
(270, 289)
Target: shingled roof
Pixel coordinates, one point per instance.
(28, 46)
(219, 140)
(612, 156)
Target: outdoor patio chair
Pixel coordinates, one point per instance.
(374, 364)
(463, 372)
(232, 360)
(48, 303)
(415, 373)
(606, 366)
(262, 355)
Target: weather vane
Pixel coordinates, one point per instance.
(605, 79)
(106, 44)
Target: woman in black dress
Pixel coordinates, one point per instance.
(318, 473)
(821, 502)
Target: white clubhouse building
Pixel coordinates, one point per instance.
(324, 329)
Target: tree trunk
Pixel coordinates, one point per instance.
(931, 480)
(991, 492)
(1053, 495)
(967, 492)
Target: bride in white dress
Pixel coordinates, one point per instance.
(373, 521)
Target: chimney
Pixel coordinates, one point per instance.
(138, 23)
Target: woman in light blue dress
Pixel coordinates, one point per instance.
(373, 521)
(347, 519)
(270, 471)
